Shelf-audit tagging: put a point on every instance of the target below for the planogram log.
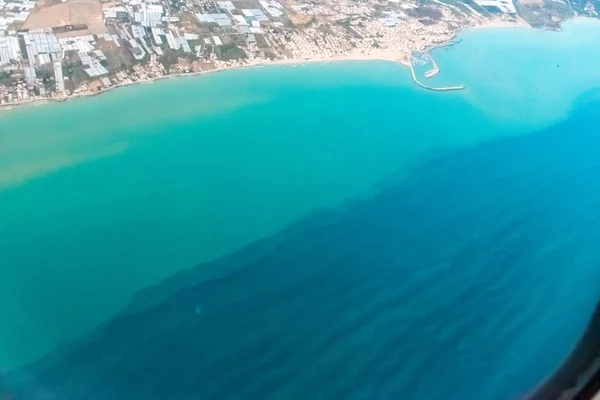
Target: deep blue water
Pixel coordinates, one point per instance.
(368, 300)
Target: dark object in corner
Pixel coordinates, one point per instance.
(578, 378)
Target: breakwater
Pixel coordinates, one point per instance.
(437, 89)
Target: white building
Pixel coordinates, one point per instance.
(149, 15)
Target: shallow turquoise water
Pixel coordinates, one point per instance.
(523, 77)
(103, 197)
(458, 280)
(174, 193)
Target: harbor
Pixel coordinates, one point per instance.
(431, 69)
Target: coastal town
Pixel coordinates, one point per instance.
(56, 49)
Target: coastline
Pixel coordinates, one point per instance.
(201, 138)
(381, 55)
(388, 56)
(490, 24)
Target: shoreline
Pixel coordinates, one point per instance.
(382, 55)
(401, 59)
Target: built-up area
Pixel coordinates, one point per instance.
(53, 49)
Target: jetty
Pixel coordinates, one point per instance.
(436, 89)
(434, 69)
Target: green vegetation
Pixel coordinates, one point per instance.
(548, 15)
(169, 57)
(75, 73)
(346, 24)
(261, 41)
(231, 51)
(194, 43)
(45, 75)
(117, 60)
(4, 78)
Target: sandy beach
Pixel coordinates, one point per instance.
(375, 55)
(382, 55)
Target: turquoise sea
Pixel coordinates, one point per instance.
(316, 231)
